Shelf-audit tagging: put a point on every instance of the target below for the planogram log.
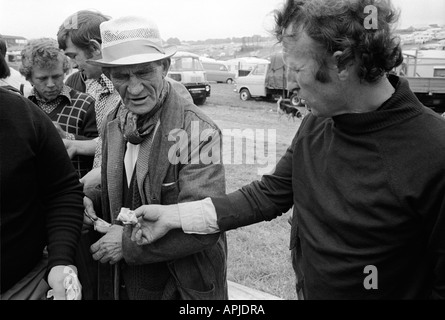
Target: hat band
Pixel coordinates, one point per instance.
(135, 47)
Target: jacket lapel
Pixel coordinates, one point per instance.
(171, 119)
(116, 150)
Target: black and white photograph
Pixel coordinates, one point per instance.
(226, 155)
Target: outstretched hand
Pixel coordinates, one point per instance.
(61, 132)
(154, 221)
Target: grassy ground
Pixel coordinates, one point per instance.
(258, 255)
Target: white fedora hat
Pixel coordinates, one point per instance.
(131, 40)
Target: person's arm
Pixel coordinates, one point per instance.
(88, 130)
(195, 181)
(89, 126)
(80, 147)
(62, 196)
(198, 217)
(260, 201)
(92, 179)
(438, 291)
(434, 217)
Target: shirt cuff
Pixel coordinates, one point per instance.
(198, 217)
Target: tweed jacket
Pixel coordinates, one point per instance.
(197, 263)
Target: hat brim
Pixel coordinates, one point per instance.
(135, 58)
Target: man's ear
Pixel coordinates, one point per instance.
(165, 66)
(343, 67)
(95, 48)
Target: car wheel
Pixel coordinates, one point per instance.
(245, 94)
(295, 99)
(229, 81)
(200, 101)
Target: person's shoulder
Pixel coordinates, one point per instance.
(193, 113)
(180, 89)
(18, 106)
(10, 94)
(11, 88)
(81, 96)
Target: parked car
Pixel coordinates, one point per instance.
(187, 69)
(217, 71)
(268, 80)
(243, 66)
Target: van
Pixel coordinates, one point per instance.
(14, 59)
(243, 66)
(217, 71)
(187, 69)
(268, 80)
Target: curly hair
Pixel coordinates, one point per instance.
(44, 53)
(339, 25)
(81, 27)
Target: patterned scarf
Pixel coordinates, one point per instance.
(137, 127)
(49, 106)
(107, 98)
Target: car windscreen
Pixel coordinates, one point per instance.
(186, 64)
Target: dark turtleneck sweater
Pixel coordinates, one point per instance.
(41, 197)
(368, 190)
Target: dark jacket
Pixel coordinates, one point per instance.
(41, 197)
(367, 190)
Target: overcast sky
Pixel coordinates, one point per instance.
(183, 19)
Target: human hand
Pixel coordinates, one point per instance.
(70, 146)
(64, 288)
(89, 216)
(61, 132)
(109, 247)
(91, 179)
(154, 221)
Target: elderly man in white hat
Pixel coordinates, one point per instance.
(159, 148)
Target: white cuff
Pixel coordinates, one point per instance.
(198, 217)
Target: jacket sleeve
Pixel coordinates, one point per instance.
(439, 271)
(195, 182)
(434, 217)
(262, 200)
(61, 194)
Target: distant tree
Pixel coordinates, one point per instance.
(174, 41)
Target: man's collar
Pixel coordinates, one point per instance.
(64, 93)
(106, 83)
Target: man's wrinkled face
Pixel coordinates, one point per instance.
(139, 85)
(48, 80)
(79, 58)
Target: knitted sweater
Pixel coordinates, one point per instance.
(368, 190)
(41, 197)
(76, 114)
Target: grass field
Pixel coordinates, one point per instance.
(258, 255)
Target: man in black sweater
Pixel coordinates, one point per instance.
(365, 174)
(41, 201)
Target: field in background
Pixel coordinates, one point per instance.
(258, 255)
